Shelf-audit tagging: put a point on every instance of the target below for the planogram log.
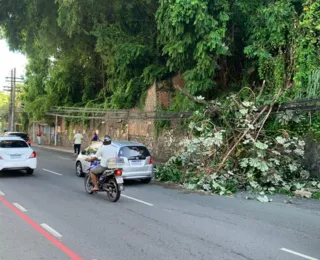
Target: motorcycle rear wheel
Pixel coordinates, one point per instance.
(88, 184)
(113, 191)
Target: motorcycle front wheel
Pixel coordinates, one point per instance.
(113, 190)
(88, 184)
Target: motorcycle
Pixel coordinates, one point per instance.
(110, 181)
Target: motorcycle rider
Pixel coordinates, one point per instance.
(106, 152)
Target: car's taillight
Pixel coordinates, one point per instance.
(150, 161)
(33, 155)
(118, 172)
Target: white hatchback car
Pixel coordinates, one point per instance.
(16, 154)
(138, 160)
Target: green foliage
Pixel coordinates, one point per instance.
(4, 109)
(308, 44)
(84, 51)
(171, 174)
(193, 36)
(25, 121)
(313, 86)
(107, 53)
(258, 162)
(161, 125)
(271, 40)
(316, 195)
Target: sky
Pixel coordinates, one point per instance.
(8, 61)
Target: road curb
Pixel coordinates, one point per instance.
(52, 148)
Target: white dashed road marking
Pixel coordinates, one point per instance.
(64, 158)
(298, 254)
(141, 201)
(52, 172)
(19, 207)
(51, 230)
(2, 194)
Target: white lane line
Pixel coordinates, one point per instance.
(298, 254)
(62, 158)
(51, 230)
(19, 207)
(141, 201)
(2, 194)
(52, 172)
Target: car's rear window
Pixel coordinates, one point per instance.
(134, 152)
(13, 144)
(22, 135)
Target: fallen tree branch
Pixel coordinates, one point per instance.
(261, 90)
(239, 139)
(213, 109)
(263, 122)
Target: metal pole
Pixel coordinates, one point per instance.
(56, 131)
(11, 104)
(14, 100)
(49, 139)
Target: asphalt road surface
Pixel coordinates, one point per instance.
(50, 216)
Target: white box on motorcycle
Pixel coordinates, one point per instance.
(116, 163)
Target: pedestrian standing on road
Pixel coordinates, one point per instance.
(39, 134)
(77, 142)
(95, 137)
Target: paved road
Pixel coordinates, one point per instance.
(160, 224)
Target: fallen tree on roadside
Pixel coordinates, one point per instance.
(230, 150)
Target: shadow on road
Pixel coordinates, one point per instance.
(133, 183)
(14, 174)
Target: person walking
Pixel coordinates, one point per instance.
(95, 137)
(39, 134)
(77, 142)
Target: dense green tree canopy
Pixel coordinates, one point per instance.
(4, 109)
(106, 53)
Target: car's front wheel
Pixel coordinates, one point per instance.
(30, 171)
(79, 170)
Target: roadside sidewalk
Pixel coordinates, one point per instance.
(54, 148)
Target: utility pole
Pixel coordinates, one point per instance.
(12, 89)
(11, 102)
(13, 99)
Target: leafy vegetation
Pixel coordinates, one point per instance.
(316, 195)
(4, 108)
(106, 53)
(234, 152)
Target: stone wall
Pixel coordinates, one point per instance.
(312, 157)
(161, 146)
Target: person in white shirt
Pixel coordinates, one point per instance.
(106, 152)
(77, 142)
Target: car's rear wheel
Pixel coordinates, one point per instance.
(113, 191)
(88, 184)
(146, 180)
(30, 171)
(79, 170)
